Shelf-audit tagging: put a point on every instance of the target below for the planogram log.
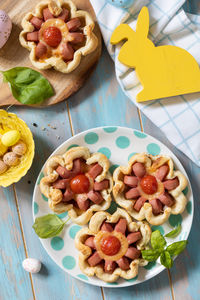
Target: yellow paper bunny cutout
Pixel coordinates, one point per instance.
(163, 71)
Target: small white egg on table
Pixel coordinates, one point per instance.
(31, 265)
(5, 27)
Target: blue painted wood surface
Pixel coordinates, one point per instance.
(100, 102)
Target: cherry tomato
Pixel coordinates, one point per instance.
(110, 245)
(80, 184)
(52, 36)
(149, 184)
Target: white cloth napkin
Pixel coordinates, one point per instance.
(178, 117)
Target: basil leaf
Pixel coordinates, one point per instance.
(177, 247)
(151, 254)
(166, 260)
(175, 232)
(27, 85)
(157, 240)
(48, 226)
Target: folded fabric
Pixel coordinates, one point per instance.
(178, 117)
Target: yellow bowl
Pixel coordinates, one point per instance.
(10, 121)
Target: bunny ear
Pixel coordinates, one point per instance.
(121, 32)
(142, 27)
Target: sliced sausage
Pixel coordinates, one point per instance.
(133, 253)
(76, 37)
(162, 172)
(61, 184)
(67, 52)
(68, 195)
(47, 14)
(106, 227)
(133, 237)
(40, 50)
(73, 24)
(99, 186)
(32, 36)
(90, 242)
(132, 193)
(63, 172)
(76, 166)
(82, 202)
(139, 203)
(166, 199)
(64, 15)
(95, 171)
(95, 197)
(157, 206)
(171, 184)
(131, 181)
(121, 226)
(94, 259)
(36, 22)
(110, 266)
(123, 263)
(139, 169)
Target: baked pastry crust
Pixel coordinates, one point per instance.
(152, 163)
(55, 195)
(94, 228)
(56, 61)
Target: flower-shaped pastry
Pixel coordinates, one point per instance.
(149, 188)
(111, 246)
(77, 182)
(57, 34)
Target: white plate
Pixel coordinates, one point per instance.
(118, 144)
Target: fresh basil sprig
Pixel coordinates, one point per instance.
(27, 85)
(175, 232)
(48, 226)
(159, 248)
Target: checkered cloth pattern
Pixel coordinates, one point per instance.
(178, 117)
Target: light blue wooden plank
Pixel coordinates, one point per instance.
(51, 283)
(15, 284)
(101, 102)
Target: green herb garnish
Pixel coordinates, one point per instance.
(175, 232)
(48, 226)
(159, 249)
(27, 85)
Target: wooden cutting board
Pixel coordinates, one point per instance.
(13, 55)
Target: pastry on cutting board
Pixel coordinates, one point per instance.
(58, 35)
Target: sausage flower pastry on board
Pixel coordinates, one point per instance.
(149, 188)
(111, 246)
(77, 182)
(58, 35)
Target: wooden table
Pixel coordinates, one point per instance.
(100, 102)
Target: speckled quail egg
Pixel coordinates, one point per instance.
(11, 159)
(5, 27)
(19, 148)
(3, 167)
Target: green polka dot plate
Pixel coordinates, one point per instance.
(118, 144)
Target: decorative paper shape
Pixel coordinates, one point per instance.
(163, 71)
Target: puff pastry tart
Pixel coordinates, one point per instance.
(149, 188)
(77, 182)
(57, 34)
(111, 247)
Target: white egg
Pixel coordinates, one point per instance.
(5, 28)
(31, 265)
